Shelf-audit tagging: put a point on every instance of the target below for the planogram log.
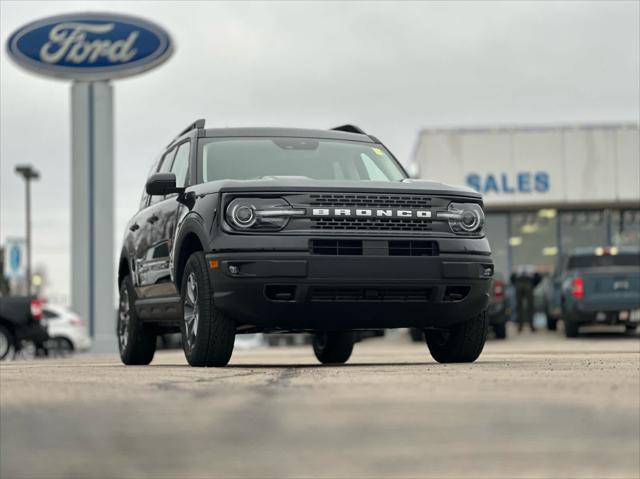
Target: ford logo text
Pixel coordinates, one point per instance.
(90, 47)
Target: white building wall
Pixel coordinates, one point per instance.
(537, 166)
(628, 171)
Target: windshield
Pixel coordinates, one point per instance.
(248, 158)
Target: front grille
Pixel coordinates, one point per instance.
(413, 248)
(370, 200)
(401, 295)
(371, 224)
(336, 247)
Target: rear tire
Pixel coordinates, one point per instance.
(462, 343)
(7, 344)
(136, 340)
(571, 329)
(631, 330)
(500, 330)
(333, 347)
(60, 346)
(208, 335)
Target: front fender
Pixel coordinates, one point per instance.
(191, 224)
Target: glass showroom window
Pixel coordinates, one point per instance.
(497, 228)
(625, 227)
(533, 239)
(583, 229)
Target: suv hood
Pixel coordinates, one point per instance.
(303, 183)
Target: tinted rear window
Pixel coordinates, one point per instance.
(594, 261)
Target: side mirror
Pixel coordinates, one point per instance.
(160, 184)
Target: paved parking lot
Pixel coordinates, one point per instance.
(532, 406)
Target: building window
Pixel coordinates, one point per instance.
(580, 229)
(497, 228)
(534, 239)
(625, 227)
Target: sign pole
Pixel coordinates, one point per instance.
(28, 222)
(92, 211)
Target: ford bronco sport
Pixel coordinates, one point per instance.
(244, 230)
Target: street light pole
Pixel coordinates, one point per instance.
(28, 173)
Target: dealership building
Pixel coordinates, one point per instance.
(547, 190)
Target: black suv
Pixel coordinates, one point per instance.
(244, 230)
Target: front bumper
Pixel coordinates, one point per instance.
(301, 291)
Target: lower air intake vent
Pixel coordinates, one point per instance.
(403, 295)
(337, 247)
(413, 248)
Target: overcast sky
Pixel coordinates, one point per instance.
(390, 68)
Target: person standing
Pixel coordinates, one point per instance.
(525, 281)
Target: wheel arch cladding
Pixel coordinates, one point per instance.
(123, 268)
(190, 243)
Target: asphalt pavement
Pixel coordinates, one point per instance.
(532, 406)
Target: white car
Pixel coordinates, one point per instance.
(67, 331)
(249, 341)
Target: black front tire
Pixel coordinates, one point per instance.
(7, 344)
(552, 323)
(462, 343)
(208, 335)
(136, 340)
(333, 347)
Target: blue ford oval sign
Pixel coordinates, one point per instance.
(90, 46)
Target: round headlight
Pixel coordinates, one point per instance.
(260, 214)
(243, 216)
(465, 218)
(469, 220)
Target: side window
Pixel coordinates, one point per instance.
(165, 167)
(145, 197)
(48, 314)
(181, 165)
(167, 159)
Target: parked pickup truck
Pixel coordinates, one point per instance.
(20, 321)
(600, 285)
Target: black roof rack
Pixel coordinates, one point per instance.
(198, 124)
(349, 129)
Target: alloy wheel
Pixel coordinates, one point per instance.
(191, 310)
(124, 318)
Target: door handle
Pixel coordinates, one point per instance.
(134, 227)
(152, 219)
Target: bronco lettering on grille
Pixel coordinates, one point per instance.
(390, 213)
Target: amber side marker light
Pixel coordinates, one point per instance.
(213, 264)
